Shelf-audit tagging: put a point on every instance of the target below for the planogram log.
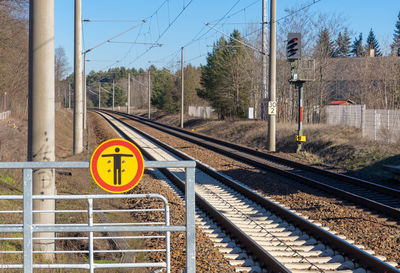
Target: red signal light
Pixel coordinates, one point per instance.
(294, 40)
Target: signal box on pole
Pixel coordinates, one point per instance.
(293, 47)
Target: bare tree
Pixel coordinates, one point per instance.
(61, 68)
(14, 54)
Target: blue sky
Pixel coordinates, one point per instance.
(177, 23)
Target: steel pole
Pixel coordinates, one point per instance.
(128, 108)
(182, 88)
(78, 113)
(113, 94)
(300, 129)
(272, 75)
(149, 93)
(84, 91)
(41, 120)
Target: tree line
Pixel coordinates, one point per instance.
(230, 80)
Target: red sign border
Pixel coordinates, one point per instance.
(95, 174)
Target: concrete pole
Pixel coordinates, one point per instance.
(264, 49)
(183, 87)
(78, 113)
(149, 93)
(84, 91)
(272, 75)
(128, 108)
(69, 95)
(41, 121)
(113, 94)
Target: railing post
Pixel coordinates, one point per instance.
(90, 223)
(190, 221)
(167, 240)
(28, 246)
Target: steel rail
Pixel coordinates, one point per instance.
(348, 249)
(260, 160)
(263, 257)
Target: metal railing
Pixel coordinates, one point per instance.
(92, 227)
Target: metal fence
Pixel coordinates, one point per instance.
(375, 124)
(95, 229)
(5, 115)
(204, 112)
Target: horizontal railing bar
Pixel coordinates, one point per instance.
(107, 228)
(61, 251)
(100, 224)
(122, 224)
(85, 228)
(11, 197)
(94, 238)
(128, 251)
(135, 265)
(11, 211)
(128, 210)
(13, 229)
(99, 196)
(85, 251)
(85, 211)
(170, 164)
(85, 164)
(129, 237)
(60, 211)
(45, 165)
(84, 266)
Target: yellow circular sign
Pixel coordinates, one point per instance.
(117, 165)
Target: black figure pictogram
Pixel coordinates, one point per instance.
(117, 165)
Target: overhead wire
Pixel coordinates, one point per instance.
(146, 19)
(195, 39)
(165, 30)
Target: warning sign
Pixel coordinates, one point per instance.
(117, 165)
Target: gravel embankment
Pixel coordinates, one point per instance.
(208, 258)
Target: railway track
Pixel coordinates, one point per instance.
(378, 198)
(278, 239)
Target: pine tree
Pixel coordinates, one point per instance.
(372, 43)
(223, 79)
(346, 43)
(339, 44)
(325, 47)
(343, 44)
(357, 48)
(396, 38)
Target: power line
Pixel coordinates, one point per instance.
(296, 11)
(222, 18)
(108, 21)
(237, 40)
(162, 34)
(243, 9)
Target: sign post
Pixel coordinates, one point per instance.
(117, 165)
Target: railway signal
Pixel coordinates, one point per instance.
(293, 47)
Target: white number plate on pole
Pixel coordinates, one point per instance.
(272, 105)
